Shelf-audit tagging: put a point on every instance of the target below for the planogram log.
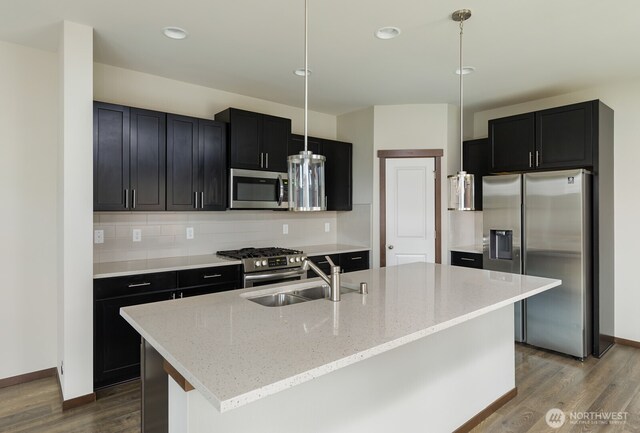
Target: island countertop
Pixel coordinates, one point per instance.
(234, 351)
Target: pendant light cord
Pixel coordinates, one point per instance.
(306, 73)
(461, 102)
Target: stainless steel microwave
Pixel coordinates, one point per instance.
(253, 189)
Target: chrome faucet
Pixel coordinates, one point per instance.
(333, 280)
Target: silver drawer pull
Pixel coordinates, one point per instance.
(139, 285)
(356, 258)
(467, 259)
(323, 262)
(212, 276)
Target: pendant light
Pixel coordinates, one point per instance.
(306, 170)
(461, 191)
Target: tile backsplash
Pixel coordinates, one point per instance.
(164, 233)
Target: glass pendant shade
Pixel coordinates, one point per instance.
(306, 182)
(461, 191)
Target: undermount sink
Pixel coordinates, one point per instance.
(297, 296)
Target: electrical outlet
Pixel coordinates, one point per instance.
(189, 232)
(327, 227)
(285, 229)
(137, 235)
(98, 236)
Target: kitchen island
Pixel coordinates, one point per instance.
(428, 348)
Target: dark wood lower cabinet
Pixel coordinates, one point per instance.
(116, 345)
(348, 262)
(467, 260)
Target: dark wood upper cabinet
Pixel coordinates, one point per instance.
(564, 136)
(512, 143)
(556, 138)
(196, 164)
(128, 158)
(147, 160)
(212, 147)
(110, 157)
(256, 141)
(476, 160)
(338, 184)
(296, 144)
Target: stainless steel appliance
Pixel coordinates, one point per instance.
(253, 189)
(539, 224)
(269, 265)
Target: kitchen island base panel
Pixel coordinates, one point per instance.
(436, 384)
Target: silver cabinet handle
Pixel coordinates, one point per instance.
(390, 247)
(133, 198)
(173, 295)
(356, 258)
(323, 262)
(530, 159)
(261, 159)
(266, 158)
(181, 295)
(195, 196)
(139, 285)
(202, 200)
(537, 158)
(212, 276)
(466, 259)
(126, 198)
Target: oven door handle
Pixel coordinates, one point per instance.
(280, 190)
(274, 275)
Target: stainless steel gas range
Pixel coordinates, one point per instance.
(268, 265)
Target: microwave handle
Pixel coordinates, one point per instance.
(280, 190)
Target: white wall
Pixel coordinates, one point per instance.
(28, 152)
(623, 99)
(75, 210)
(137, 89)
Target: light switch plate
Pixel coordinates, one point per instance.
(98, 236)
(327, 227)
(285, 229)
(189, 232)
(137, 235)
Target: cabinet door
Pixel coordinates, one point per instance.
(296, 144)
(338, 178)
(512, 143)
(275, 139)
(476, 159)
(182, 162)
(564, 136)
(116, 344)
(110, 157)
(147, 163)
(245, 130)
(213, 165)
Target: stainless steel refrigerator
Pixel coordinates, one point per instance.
(539, 224)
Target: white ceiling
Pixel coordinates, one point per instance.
(522, 49)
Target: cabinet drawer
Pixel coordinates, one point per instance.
(355, 261)
(468, 260)
(133, 284)
(323, 264)
(209, 276)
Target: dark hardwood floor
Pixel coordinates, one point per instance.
(36, 407)
(545, 380)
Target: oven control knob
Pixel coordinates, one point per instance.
(297, 259)
(258, 263)
(292, 260)
(264, 263)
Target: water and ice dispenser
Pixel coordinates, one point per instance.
(501, 244)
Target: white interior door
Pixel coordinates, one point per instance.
(410, 197)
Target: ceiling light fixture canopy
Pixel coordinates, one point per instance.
(306, 170)
(300, 72)
(461, 190)
(388, 32)
(175, 32)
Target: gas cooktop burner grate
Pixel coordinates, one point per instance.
(250, 253)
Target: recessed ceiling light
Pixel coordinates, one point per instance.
(387, 32)
(466, 70)
(300, 72)
(174, 32)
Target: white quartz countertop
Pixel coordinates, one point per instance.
(477, 249)
(235, 351)
(135, 267)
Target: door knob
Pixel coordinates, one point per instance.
(390, 247)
